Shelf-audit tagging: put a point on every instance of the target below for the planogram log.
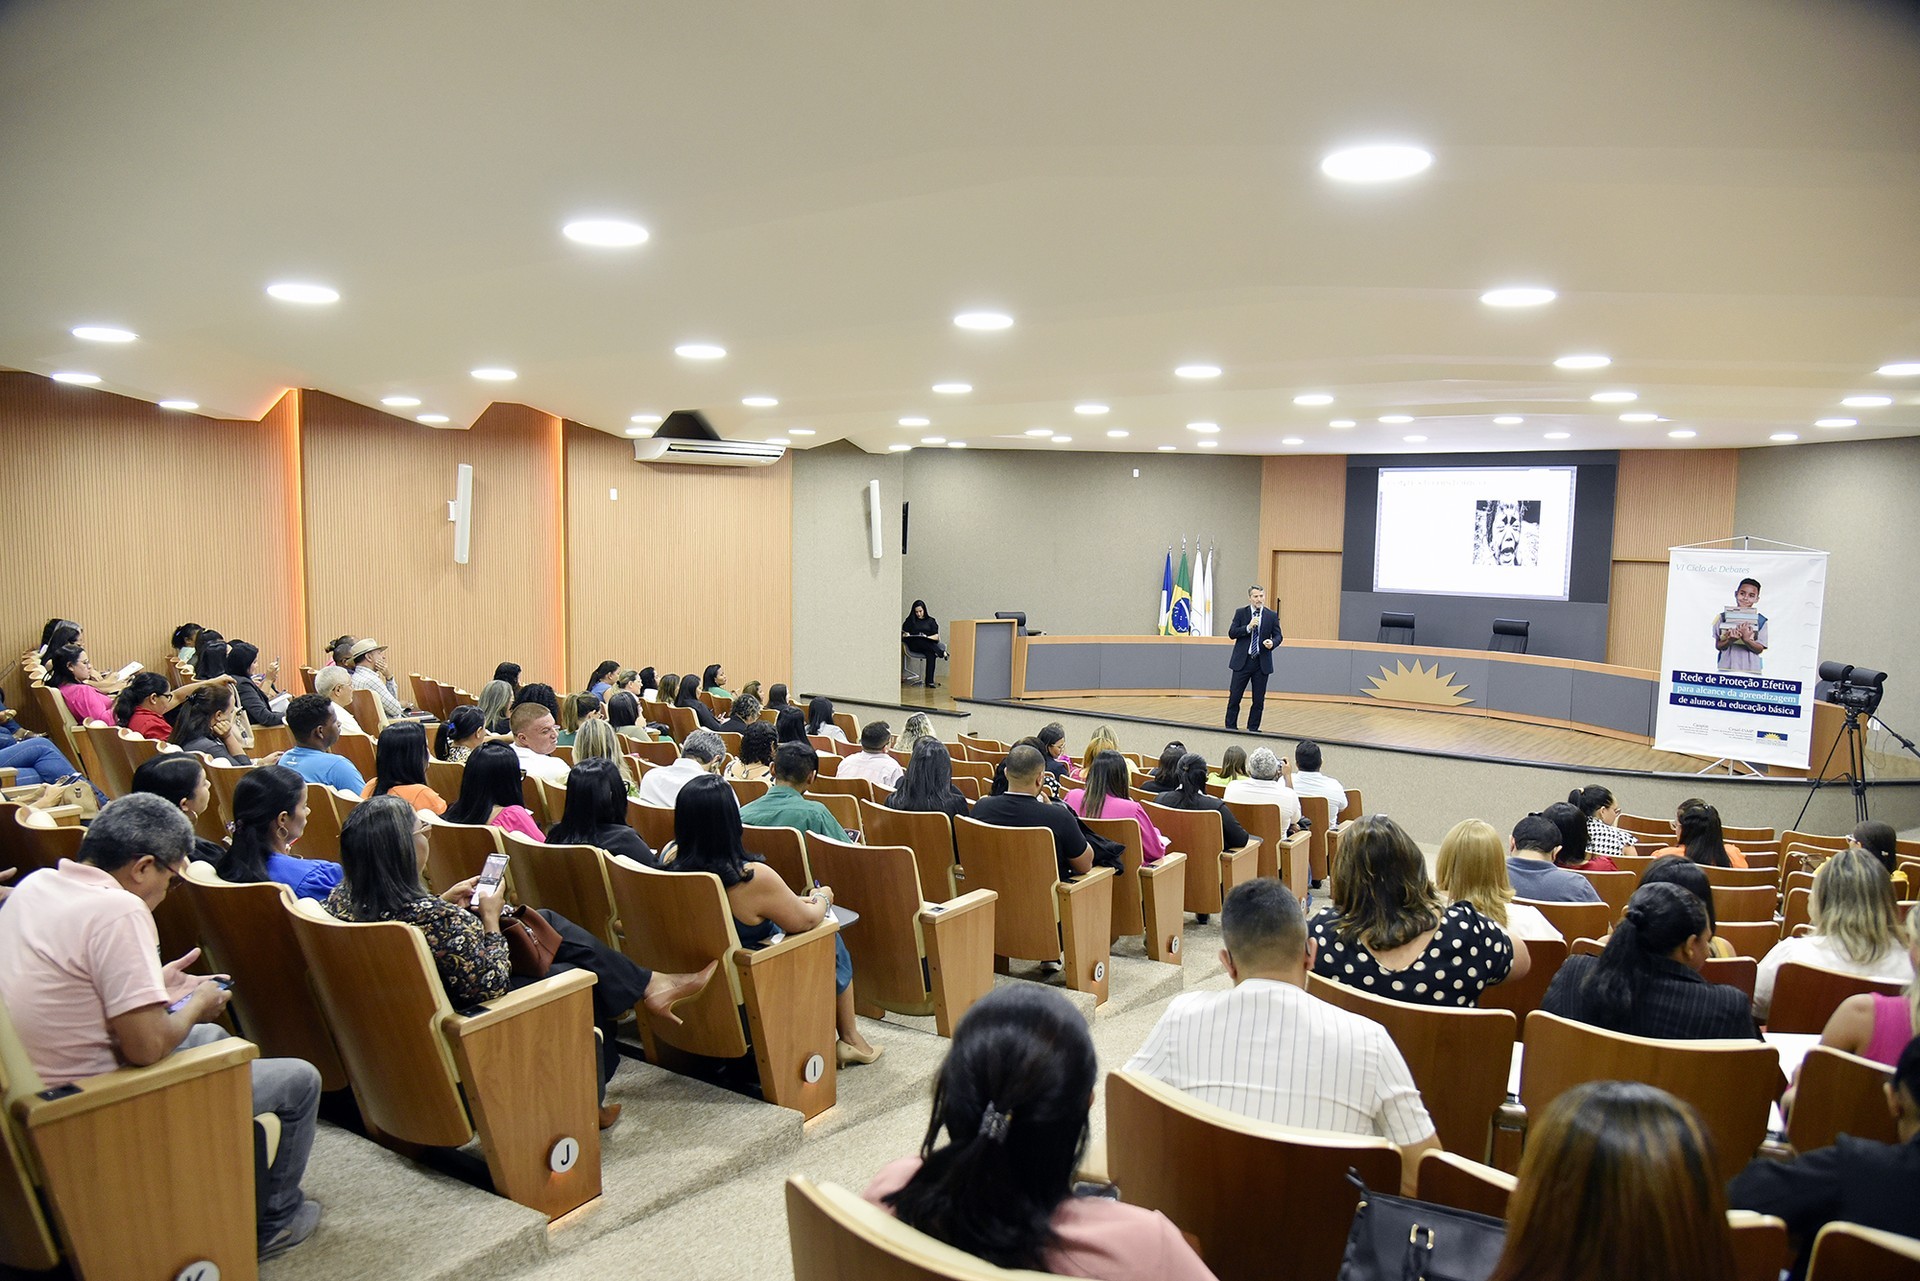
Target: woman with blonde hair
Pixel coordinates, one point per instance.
(1878, 1027)
(1102, 741)
(919, 726)
(1855, 928)
(597, 739)
(496, 699)
(1472, 868)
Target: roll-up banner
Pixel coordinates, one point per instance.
(1741, 653)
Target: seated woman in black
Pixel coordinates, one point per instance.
(927, 786)
(596, 813)
(1647, 982)
(790, 727)
(254, 682)
(1166, 775)
(689, 698)
(920, 633)
(1190, 793)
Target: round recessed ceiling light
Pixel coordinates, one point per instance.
(75, 377)
(916, 422)
(1396, 418)
(1090, 408)
(1867, 402)
(1341, 422)
(1900, 369)
(983, 320)
(1197, 371)
(1209, 444)
(778, 440)
(1836, 422)
(295, 291)
(1639, 417)
(1039, 431)
(1292, 440)
(180, 404)
(953, 389)
(1614, 397)
(605, 233)
(801, 431)
(956, 444)
(1063, 440)
(1166, 449)
(1557, 435)
(494, 374)
(933, 440)
(898, 449)
(1376, 162)
(1784, 437)
(700, 351)
(1415, 440)
(1681, 433)
(759, 402)
(432, 420)
(1313, 398)
(1582, 362)
(400, 402)
(1208, 429)
(1518, 296)
(646, 420)
(1116, 434)
(1509, 420)
(103, 333)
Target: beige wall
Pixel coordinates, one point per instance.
(846, 604)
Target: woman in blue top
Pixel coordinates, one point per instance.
(269, 815)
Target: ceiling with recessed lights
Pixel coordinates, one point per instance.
(1664, 223)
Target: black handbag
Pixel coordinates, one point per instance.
(1397, 1239)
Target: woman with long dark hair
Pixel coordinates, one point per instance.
(1573, 835)
(597, 813)
(539, 692)
(254, 681)
(183, 640)
(600, 684)
(400, 767)
(1647, 982)
(790, 726)
(1699, 836)
(689, 698)
(1604, 839)
(820, 719)
(623, 713)
(1105, 796)
(714, 680)
(181, 779)
(920, 633)
(464, 729)
(1013, 1101)
(490, 793)
(1165, 776)
(1190, 793)
(1672, 869)
(146, 701)
(708, 838)
(205, 723)
(69, 672)
(927, 787)
(269, 815)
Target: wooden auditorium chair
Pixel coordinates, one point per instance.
(34, 840)
(663, 753)
(858, 788)
(1740, 878)
(1614, 888)
(322, 836)
(1039, 916)
(1319, 816)
(1849, 1252)
(845, 809)
(570, 880)
(1281, 856)
(653, 822)
(1839, 1093)
(519, 1071)
(676, 922)
(928, 835)
(748, 790)
(1212, 869)
(1225, 1178)
(1749, 938)
(1805, 996)
(445, 778)
(784, 851)
(178, 1138)
(459, 851)
(116, 776)
(910, 956)
(1575, 920)
(1147, 901)
(269, 739)
(1742, 972)
(837, 1235)
(366, 713)
(1796, 911)
(1753, 903)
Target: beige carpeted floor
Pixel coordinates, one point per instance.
(693, 1174)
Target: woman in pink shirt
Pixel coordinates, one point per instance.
(69, 671)
(1105, 796)
(490, 793)
(1013, 1098)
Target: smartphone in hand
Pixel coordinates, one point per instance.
(223, 984)
(491, 875)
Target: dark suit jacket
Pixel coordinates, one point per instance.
(1269, 631)
(1856, 1180)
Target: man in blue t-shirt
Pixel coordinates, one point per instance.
(315, 731)
(1531, 868)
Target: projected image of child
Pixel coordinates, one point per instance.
(1740, 633)
(1506, 531)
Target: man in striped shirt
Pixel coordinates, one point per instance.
(1267, 1049)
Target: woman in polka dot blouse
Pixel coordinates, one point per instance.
(1389, 932)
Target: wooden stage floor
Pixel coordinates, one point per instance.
(1394, 728)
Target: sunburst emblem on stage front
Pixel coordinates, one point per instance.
(1418, 684)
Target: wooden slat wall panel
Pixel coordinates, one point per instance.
(1306, 590)
(379, 547)
(689, 566)
(1303, 503)
(131, 519)
(1636, 613)
(1665, 498)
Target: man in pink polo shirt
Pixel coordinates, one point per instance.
(80, 974)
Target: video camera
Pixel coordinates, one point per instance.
(1858, 689)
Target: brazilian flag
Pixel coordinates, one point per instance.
(1183, 598)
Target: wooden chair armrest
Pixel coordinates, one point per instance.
(932, 914)
(63, 815)
(1067, 889)
(519, 1000)
(756, 956)
(1093, 1165)
(114, 1087)
(1173, 863)
(7, 775)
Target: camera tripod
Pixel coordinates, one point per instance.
(1851, 735)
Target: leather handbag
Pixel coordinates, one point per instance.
(531, 941)
(1397, 1239)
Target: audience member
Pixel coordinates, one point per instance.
(790, 726)
(540, 693)
(1387, 932)
(1874, 1026)
(1647, 982)
(80, 973)
(786, 803)
(1531, 868)
(535, 736)
(575, 711)
(600, 684)
(181, 780)
(1856, 929)
(1696, 827)
(714, 681)
(820, 720)
(1604, 839)
(1165, 775)
(1691, 877)
(597, 813)
(1472, 868)
(1050, 740)
(669, 688)
(69, 672)
(708, 838)
(927, 786)
(269, 815)
(464, 729)
(491, 793)
(623, 713)
(33, 757)
(1571, 843)
(210, 655)
(777, 697)
(1263, 785)
(874, 761)
(754, 764)
(1190, 793)
(744, 712)
(1617, 1181)
(368, 662)
(255, 682)
(1233, 765)
(1309, 781)
(702, 753)
(496, 701)
(400, 767)
(1020, 806)
(598, 741)
(205, 723)
(1105, 795)
(143, 703)
(1014, 1099)
(314, 734)
(1880, 840)
(336, 686)
(184, 638)
(1101, 740)
(752, 688)
(919, 726)
(338, 651)
(510, 674)
(689, 698)
(1268, 1049)
(644, 684)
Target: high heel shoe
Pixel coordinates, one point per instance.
(676, 988)
(846, 1056)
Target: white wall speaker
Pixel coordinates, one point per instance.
(873, 517)
(460, 512)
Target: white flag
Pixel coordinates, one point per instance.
(1203, 594)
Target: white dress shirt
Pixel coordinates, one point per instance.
(1264, 791)
(877, 768)
(1313, 783)
(1270, 1051)
(548, 769)
(662, 786)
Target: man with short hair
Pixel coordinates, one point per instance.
(702, 753)
(1309, 781)
(1020, 806)
(1531, 868)
(1265, 786)
(315, 731)
(1268, 1049)
(1255, 631)
(80, 973)
(535, 736)
(786, 803)
(334, 685)
(874, 763)
(744, 712)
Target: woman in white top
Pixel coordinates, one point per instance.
(1602, 812)
(1472, 868)
(1855, 928)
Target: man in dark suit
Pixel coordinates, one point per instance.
(1255, 631)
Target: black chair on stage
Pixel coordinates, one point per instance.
(1509, 636)
(1396, 629)
(1019, 617)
